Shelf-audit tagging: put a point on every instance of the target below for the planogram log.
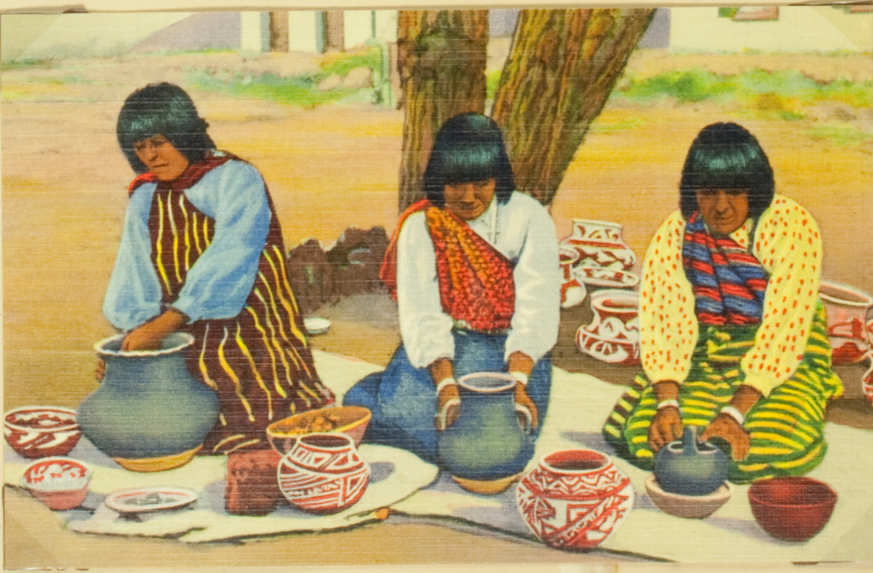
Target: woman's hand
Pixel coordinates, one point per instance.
(149, 336)
(724, 426)
(100, 371)
(666, 425)
(448, 405)
(524, 406)
(729, 430)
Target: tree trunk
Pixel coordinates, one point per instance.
(279, 31)
(561, 69)
(441, 60)
(334, 31)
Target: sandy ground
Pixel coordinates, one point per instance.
(330, 168)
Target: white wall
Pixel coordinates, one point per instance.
(303, 29)
(798, 29)
(255, 32)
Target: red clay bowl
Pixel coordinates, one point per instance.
(60, 483)
(792, 508)
(41, 431)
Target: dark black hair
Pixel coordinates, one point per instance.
(164, 109)
(469, 147)
(726, 156)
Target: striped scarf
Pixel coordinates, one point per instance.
(727, 281)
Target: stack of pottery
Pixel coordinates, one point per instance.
(604, 258)
(690, 477)
(486, 448)
(149, 414)
(574, 499)
(614, 334)
(848, 329)
(573, 289)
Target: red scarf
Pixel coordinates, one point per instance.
(475, 280)
(189, 177)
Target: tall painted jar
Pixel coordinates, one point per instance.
(149, 413)
(486, 449)
(574, 499)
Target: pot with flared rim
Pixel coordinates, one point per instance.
(487, 447)
(149, 413)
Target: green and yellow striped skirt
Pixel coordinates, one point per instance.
(786, 428)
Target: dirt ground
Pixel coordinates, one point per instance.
(330, 168)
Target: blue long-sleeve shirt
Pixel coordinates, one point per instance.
(219, 282)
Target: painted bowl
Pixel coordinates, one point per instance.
(60, 483)
(349, 420)
(792, 508)
(611, 350)
(41, 431)
(687, 506)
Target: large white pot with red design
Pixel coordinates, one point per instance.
(575, 499)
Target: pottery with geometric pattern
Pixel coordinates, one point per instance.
(323, 473)
(575, 499)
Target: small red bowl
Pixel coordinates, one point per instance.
(60, 483)
(792, 508)
(41, 431)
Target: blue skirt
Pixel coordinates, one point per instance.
(403, 398)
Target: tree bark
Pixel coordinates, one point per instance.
(279, 31)
(560, 71)
(441, 61)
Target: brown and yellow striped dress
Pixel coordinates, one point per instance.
(258, 362)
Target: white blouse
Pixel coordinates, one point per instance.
(523, 231)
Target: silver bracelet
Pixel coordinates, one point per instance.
(733, 413)
(668, 404)
(445, 382)
(519, 377)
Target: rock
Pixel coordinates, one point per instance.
(356, 260)
(330, 82)
(311, 276)
(359, 78)
(251, 487)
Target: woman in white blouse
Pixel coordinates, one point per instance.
(474, 269)
(733, 336)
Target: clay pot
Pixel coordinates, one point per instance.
(323, 473)
(573, 290)
(41, 431)
(574, 499)
(149, 413)
(60, 483)
(600, 244)
(792, 508)
(688, 467)
(614, 334)
(847, 321)
(486, 449)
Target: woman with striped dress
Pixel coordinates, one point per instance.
(202, 252)
(733, 335)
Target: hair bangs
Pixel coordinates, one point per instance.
(472, 161)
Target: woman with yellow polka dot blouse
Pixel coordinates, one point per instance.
(733, 335)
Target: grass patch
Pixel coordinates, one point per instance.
(27, 64)
(780, 91)
(842, 135)
(301, 91)
(341, 63)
